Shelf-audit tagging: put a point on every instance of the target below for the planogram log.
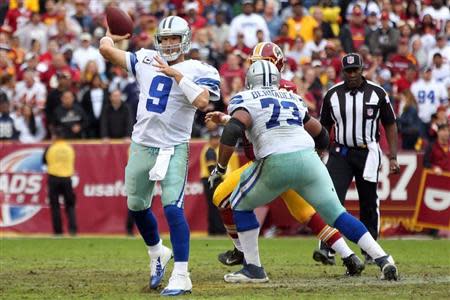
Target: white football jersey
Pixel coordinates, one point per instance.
(429, 96)
(277, 121)
(164, 115)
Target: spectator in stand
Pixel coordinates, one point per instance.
(399, 10)
(404, 82)
(70, 117)
(33, 30)
(437, 119)
(237, 85)
(248, 23)
(194, 19)
(300, 24)
(429, 94)
(386, 38)
(408, 120)
(298, 52)
(399, 62)
(51, 15)
(439, 11)
(116, 122)
(17, 17)
(216, 7)
(366, 6)
(273, 21)
(419, 52)
(59, 64)
(412, 12)
(54, 96)
(352, 35)
(30, 91)
(82, 17)
(427, 32)
(82, 55)
(443, 47)
(220, 30)
(317, 44)
(437, 156)
(8, 129)
(232, 68)
(313, 86)
(93, 102)
(90, 70)
(331, 14)
(283, 40)
(317, 14)
(440, 70)
(8, 85)
(30, 126)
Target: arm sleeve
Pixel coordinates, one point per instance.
(387, 114)
(132, 61)
(325, 112)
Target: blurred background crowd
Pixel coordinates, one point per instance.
(52, 74)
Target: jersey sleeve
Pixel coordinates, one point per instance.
(134, 59)
(237, 102)
(208, 77)
(387, 114)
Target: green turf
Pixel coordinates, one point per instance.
(116, 268)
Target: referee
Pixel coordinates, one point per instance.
(355, 107)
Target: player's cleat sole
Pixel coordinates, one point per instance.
(231, 257)
(158, 267)
(323, 256)
(248, 274)
(388, 268)
(179, 284)
(354, 265)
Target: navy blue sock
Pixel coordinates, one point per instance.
(147, 226)
(245, 220)
(179, 232)
(350, 227)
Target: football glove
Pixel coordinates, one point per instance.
(216, 175)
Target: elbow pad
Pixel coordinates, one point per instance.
(322, 140)
(232, 132)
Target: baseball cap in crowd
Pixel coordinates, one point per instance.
(316, 63)
(384, 15)
(352, 60)
(357, 11)
(85, 37)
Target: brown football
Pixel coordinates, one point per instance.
(119, 22)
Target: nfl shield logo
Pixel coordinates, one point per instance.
(370, 112)
(350, 60)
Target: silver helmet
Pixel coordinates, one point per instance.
(262, 74)
(169, 26)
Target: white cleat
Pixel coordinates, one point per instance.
(158, 267)
(179, 284)
(249, 273)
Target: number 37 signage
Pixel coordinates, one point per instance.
(416, 193)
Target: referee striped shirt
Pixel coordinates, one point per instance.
(356, 113)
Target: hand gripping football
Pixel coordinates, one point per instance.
(119, 22)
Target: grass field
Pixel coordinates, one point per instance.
(117, 268)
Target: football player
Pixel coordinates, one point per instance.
(297, 206)
(171, 90)
(283, 136)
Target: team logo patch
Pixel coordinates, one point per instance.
(370, 112)
(350, 60)
(147, 60)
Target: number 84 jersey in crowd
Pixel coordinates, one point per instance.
(277, 121)
(165, 116)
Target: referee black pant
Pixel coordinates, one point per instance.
(343, 164)
(62, 186)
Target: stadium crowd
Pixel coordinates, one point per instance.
(52, 74)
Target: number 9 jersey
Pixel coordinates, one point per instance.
(277, 121)
(164, 115)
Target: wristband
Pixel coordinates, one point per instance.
(107, 38)
(190, 89)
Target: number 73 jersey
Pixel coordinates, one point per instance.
(277, 121)
(164, 115)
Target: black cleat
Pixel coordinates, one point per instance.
(353, 264)
(388, 268)
(324, 256)
(231, 257)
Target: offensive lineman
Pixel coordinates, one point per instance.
(275, 121)
(297, 206)
(171, 90)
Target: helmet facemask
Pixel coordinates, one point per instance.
(178, 27)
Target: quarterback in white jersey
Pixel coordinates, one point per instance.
(429, 94)
(171, 89)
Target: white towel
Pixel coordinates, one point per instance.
(159, 170)
(372, 162)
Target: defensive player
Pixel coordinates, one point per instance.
(275, 121)
(297, 206)
(171, 90)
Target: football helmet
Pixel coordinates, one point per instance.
(262, 74)
(269, 51)
(169, 26)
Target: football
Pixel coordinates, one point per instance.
(119, 22)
